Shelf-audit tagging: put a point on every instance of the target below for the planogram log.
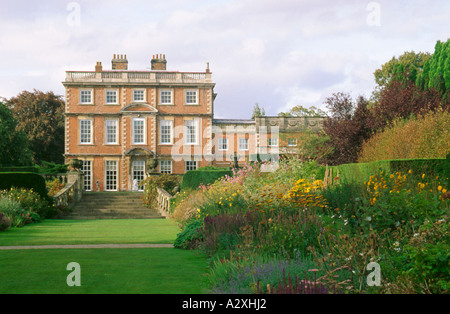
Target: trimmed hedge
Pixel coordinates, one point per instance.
(26, 180)
(206, 175)
(360, 172)
(33, 169)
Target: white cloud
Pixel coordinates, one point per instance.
(276, 53)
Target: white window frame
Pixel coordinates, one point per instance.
(190, 165)
(187, 97)
(144, 128)
(165, 166)
(222, 144)
(86, 169)
(188, 134)
(116, 96)
(91, 96)
(82, 132)
(272, 141)
(162, 124)
(243, 144)
(107, 133)
(136, 167)
(161, 97)
(144, 95)
(292, 144)
(108, 181)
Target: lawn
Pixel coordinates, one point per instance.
(48, 232)
(103, 271)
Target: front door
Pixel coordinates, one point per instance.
(138, 174)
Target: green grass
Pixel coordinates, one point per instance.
(48, 232)
(103, 271)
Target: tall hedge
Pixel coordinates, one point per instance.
(207, 175)
(360, 172)
(25, 180)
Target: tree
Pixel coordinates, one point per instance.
(401, 99)
(409, 62)
(41, 117)
(300, 111)
(258, 112)
(14, 149)
(436, 70)
(347, 127)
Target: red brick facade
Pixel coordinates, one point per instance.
(114, 122)
(119, 121)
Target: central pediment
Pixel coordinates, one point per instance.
(139, 108)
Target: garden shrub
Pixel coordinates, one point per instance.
(424, 136)
(191, 235)
(5, 222)
(30, 203)
(33, 169)
(54, 186)
(206, 175)
(244, 273)
(251, 223)
(16, 213)
(429, 252)
(222, 232)
(401, 199)
(165, 181)
(52, 168)
(25, 180)
(361, 172)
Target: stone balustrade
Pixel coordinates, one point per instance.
(72, 192)
(163, 202)
(138, 77)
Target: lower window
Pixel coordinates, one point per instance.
(165, 166)
(87, 171)
(111, 175)
(191, 165)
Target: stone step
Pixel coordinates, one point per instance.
(111, 216)
(112, 205)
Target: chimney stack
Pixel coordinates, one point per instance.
(159, 63)
(98, 67)
(119, 62)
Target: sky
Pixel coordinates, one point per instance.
(278, 54)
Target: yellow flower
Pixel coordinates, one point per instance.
(409, 171)
(439, 188)
(423, 176)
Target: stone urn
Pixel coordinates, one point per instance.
(152, 163)
(76, 164)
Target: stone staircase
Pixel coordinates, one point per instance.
(111, 205)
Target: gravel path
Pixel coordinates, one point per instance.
(86, 246)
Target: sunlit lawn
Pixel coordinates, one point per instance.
(103, 271)
(49, 232)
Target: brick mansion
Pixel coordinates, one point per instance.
(124, 124)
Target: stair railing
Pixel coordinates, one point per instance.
(163, 201)
(72, 192)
